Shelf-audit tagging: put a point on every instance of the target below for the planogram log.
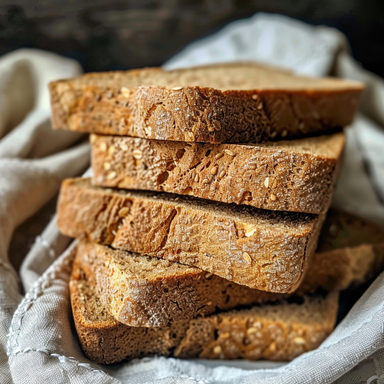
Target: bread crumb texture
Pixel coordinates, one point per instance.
(176, 228)
(232, 103)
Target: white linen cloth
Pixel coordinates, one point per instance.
(41, 342)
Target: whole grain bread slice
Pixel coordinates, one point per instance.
(278, 331)
(143, 291)
(265, 250)
(295, 175)
(232, 103)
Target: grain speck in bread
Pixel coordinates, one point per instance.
(279, 331)
(233, 103)
(145, 291)
(264, 250)
(295, 175)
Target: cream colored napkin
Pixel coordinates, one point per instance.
(41, 343)
(33, 159)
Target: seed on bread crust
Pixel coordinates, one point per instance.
(217, 125)
(217, 350)
(123, 212)
(249, 229)
(229, 152)
(247, 257)
(214, 170)
(125, 92)
(137, 154)
(219, 155)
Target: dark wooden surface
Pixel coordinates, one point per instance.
(104, 35)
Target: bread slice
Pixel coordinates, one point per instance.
(264, 250)
(232, 103)
(278, 331)
(143, 291)
(295, 175)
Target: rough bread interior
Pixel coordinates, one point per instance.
(295, 175)
(265, 250)
(236, 103)
(149, 292)
(279, 331)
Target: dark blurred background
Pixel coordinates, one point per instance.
(105, 35)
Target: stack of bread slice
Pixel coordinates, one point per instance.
(199, 228)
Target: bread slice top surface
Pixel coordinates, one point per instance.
(224, 77)
(292, 223)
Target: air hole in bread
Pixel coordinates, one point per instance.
(170, 165)
(187, 191)
(180, 153)
(162, 177)
(247, 196)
